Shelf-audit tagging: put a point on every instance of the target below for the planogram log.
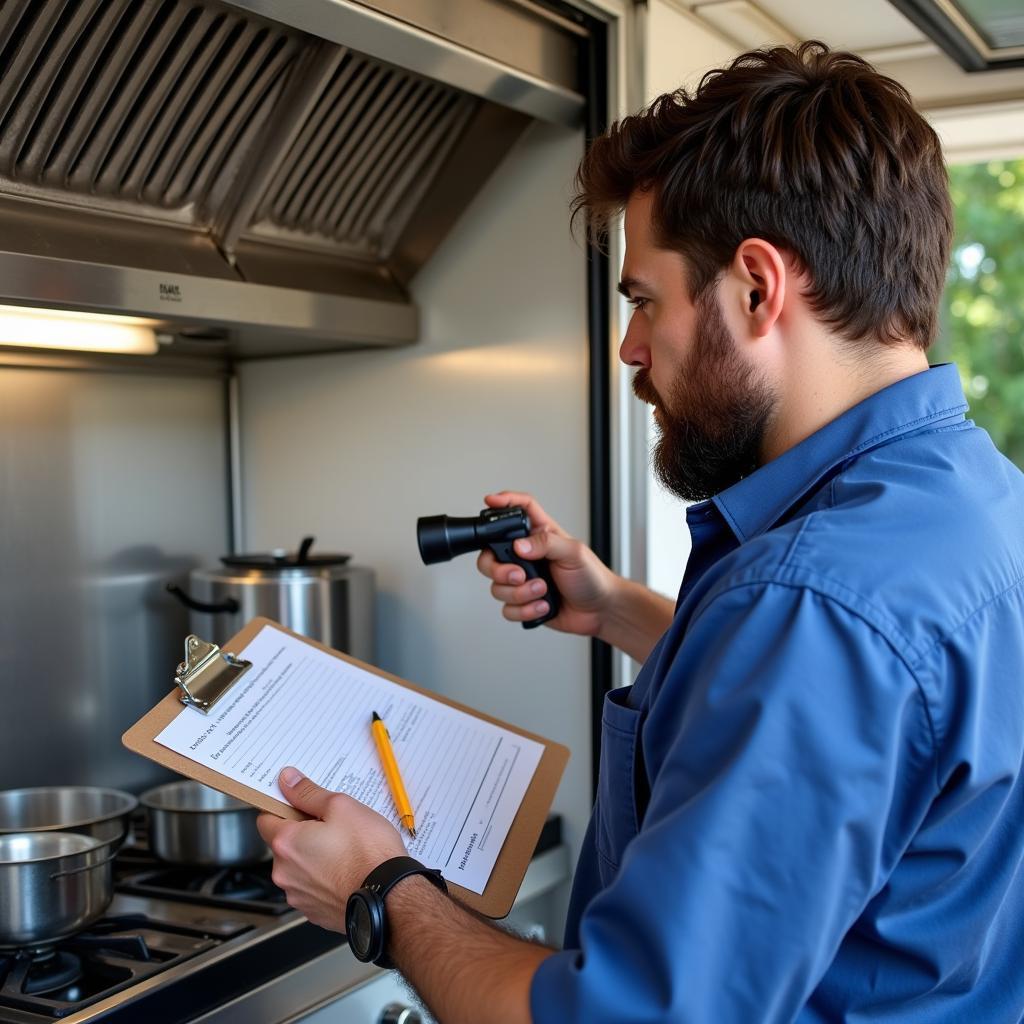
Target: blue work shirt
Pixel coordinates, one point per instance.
(810, 804)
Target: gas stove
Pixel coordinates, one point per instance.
(175, 944)
(213, 946)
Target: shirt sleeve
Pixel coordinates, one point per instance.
(791, 760)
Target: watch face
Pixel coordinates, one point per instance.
(359, 926)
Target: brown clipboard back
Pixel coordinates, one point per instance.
(514, 858)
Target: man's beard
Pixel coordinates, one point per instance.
(713, 423)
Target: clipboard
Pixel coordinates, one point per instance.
(208, 672)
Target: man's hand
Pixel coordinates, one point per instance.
(583, 580)
(455, 961)
(319, 863)
(595, 600)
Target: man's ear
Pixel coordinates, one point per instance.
(759, 284)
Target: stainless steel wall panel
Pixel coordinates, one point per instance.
(110, 485)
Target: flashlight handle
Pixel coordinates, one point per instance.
(536, 569)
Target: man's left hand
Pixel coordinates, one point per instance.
(319, 863)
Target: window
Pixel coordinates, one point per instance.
(982, 315)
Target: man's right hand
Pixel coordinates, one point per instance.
(595, 600)
(585, 583)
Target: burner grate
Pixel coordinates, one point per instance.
(48, 972)
(112, 955)
(227, 888)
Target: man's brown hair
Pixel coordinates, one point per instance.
(809, 149)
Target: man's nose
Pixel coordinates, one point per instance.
(634, 350)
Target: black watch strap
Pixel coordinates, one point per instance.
(383, 878)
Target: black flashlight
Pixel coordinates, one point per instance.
(441, 538)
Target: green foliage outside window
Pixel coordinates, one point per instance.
(982, 316)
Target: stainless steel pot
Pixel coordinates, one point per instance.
(189, 823)
(320, 596)
(103, 814)
(52, 884)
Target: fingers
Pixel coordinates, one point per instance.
(501, 572)
(524, 594)
(304, 793)
(545, 543)
(538, 517)
(269, 827)
(523, 598)
(525, 612)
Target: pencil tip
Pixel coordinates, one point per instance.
(412, 832)
(376, 717)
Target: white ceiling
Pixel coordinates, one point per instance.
(857, 24)
(871, 27)
(976, 113)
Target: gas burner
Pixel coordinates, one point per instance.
(55, 980)
(230, 888)
(234, 884)
(50, 972)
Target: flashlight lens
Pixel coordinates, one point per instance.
(432, 537)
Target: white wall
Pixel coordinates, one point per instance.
(679, 50)
(354, 447)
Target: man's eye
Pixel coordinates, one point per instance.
(639, 303)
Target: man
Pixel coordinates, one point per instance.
(810, 806)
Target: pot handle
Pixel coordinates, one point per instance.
(229, 604)
(84, 867)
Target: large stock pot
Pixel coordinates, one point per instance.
(318, 595)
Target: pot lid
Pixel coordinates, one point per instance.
(281, 559)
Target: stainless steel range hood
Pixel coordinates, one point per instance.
(262, 177)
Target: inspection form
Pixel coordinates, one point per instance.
(300, 706)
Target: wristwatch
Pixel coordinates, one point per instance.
(365, 919)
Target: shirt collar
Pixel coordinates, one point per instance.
(924, 399)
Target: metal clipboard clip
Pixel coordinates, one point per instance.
(207, 673)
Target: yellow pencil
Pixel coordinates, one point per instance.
(392, 774)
